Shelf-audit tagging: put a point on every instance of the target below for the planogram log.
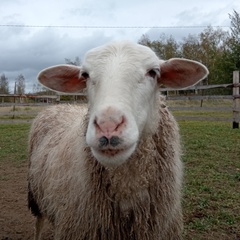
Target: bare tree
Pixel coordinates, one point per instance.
(235, 38)
(76, 61)
(4, 87)
(20, 84)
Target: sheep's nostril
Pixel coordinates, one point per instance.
(114, 141)
(103, 141)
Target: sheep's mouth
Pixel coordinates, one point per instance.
(113, 157)
(111, 152)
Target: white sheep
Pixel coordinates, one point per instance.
(110, 170)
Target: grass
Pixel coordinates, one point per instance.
(212, 182)
(212, 175)
(201, 113)
(198, 103)
(13, 142)
(19, 112)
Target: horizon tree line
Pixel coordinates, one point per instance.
(216, 48)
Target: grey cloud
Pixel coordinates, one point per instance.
(44, 48)
(28, 50)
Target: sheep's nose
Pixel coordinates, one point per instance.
(109, 128)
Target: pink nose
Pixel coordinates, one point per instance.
(108, 126)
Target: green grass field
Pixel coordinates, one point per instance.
(212, 180)
(211, 200)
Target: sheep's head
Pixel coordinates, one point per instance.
(122, 81)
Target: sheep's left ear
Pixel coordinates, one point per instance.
(181, 73)
(62, 78)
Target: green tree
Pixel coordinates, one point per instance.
(191, 47)
(213, 46)
(216, 48)
(209, 47)
(165, 47)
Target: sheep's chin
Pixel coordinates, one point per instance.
(113, 158)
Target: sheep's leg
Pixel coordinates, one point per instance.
(39, 227)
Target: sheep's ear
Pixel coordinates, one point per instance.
(181, 73)
(62, 78)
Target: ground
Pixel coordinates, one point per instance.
(211, 183)
(16, 221)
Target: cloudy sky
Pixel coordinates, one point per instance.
(59, 29)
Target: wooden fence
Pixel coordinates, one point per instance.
(234, 99)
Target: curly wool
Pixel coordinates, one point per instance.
(139, 200)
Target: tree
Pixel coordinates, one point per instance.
(213, 46)
(144, 40)
(216, 48)
(165, 47)
(76, 61)
(190, 47)
(38, 88)
(235, 26)
(20, 84)
(234, 41)
(208, 47)
(4, 87)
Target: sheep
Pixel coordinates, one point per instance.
(110, 169)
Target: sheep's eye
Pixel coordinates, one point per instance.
(153, 73)
(85, 75)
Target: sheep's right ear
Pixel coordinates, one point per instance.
(62, 78)
(179, 73)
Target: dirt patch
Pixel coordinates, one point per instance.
(16, 221)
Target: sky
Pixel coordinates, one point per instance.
(59, 29)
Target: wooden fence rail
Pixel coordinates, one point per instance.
(234, 109)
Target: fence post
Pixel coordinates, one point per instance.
(14, 101)
(236, 104)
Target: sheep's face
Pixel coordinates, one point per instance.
(122, 90)
(122, 82)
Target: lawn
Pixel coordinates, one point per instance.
(211, 201)
(212, 180)
(13, 142)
